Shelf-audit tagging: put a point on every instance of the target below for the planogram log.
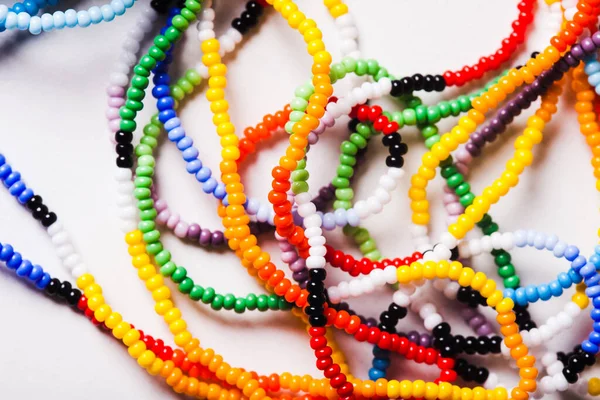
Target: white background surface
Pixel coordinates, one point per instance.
(53, 130)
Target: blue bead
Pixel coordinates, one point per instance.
(596, 326)
(555, 288)
(13, 177)
(579, 262)
(597, 249)
(593, 281)
(17, 188)
(184, 143)
(595, 314)
(210, 185)
(587, 271)
(595, 259)
(596, 302)
(510, 293)
(521, 296)
(18, 8)
(24, 269)
(44, 281)
(375, 374)
(165, 103)
(6, 252)
(5, 170)
(2, 159)
(204, 174)
(193, 166)
(160, 91)
(575, 277)
(166, 115)
(589, 347)
(161, 79)
(571, 252)
(191, 153)
(172, 124)
(176, 134)
(163, 30)
(14, 261)
(544, 292)
(25, 196)
(220, 192)
(593, 291)
(381, 363)
(30, 7)
(173, 12)
(36, 273)
(532, 294)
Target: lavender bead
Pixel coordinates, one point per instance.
(596, 38)
(577, 52)
(476, 321)
(300, 276)
(485, 329)
(298, 265)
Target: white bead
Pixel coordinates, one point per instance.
(555, 368)
(418, 230)
(548, 358)
(235, 35)
(564, 319)
(545, 332)
(491, 382)
(547, 385)
(127, 225)
(317, 241)
(464, 249)
(390, 274)
(313, 232)
(367, 88)
(387, 183)
(401, 299)
(572, 309)
(504, 350)
(368, 286)
(427, 310)
(136, 34)
(525, 336)
(227, 44)
(124, 200)
(127, 212)
(386, 85)
(313, 262)
(475, 247)
(395, 173)
(55, 228)
(60, 239)
(451, 290)
(520, 238)
(307, 209)
(119, 79)
(383, 196)
(442, 252)
(432, 321)
(508, 241)
(79, 271)
(362, 209)
(125, 188)
(375, 206)
(553, 324)
(536, 337)
(312, 221)
(486, 244)
(205, 25)
(448, 240)
(317, 251)
(303, 198)
(359, 95)
(206, 35)
(349, 32)
(440, 284)
(570, 13)
(496, 238)
(423, 247)
(208, 14)
(378, 277)
(355, 288)
(334, 294)
(344, 290)
(71, 261)
(559, 249)
(65, 251)
(344, 20)
(560, 382)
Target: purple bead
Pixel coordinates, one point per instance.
(570, 59)
(478, 139)
(300, 276)
(414, 336)
(504, 116)
(371, 322)
(577, 52)
(476, 321)
(485, 329)
(217, 238)
(471, 148)
(596, 38)
(194, 231)
(204, 237)
(425, 340)
(298, 265)
(496, 126)
(588, 45)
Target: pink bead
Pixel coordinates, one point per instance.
(114, 125)
(454, 209)
(451, 219)
(462, 168)
(173, 221)
(449, 198)
(115, 90)
(285, 246)
(448, 190)
(163, 216)
(289, 257)
(463, 156)
(312, 138)
(298, 265)
(160, 205)
(116, 101)
(112, 113)
(328, 119)
(320, 129)
(181, 229)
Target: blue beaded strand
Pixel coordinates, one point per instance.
(24, 268)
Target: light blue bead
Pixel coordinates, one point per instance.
(184, 143)
(128, 3)
(36, 273)
(555, 288)
(83, 19)
(25, 196)
(23, 21)
(203, 175)
(220, 192)
(95, 14)
(375, 374)
(14, 261)
(11, 21)
(47, 22)
(60, 21)
(71, 18)
(564, 280)
(591, 66)
(540, 241)
(520, 296)
(571, 252)
(575, 277)
(176, 134)
(24, 269)
(193, 166)
(587, 271)
(594, 79)
(44, 281)
(544, 292)
(209, 185)
(551, 241)
(17, 188)
(189, 154)
(118, 7)
(107, 13)
(508, 292)
(353, 219)
(597, 249)
(172, 123)
(329, 221)
(252, 206)
(340, 217)
(520, 238)
(595, 259)
(589, 347)
(578, 262)
(532, 293)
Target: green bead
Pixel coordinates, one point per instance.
(344, 194)
(173, 34)
(338, 71)
(229, 301)
(455, 108)
(272, 302)
(413, 102)
(398, 118)
(300, 175)
(368, 246)
(361, 67)
(349, 230)
(372, 67)
(154, 248)
(340, 182)
(177, 93)
(141, 193)
(363, 129)
(304, 91)
(135, 94)
(348, 160)
(485, 221)
(146, 226)
(462, 189)
(491, 228)
(193, 76)
(502, 259)
(299, 104)
(193, 5)
(361, 235)
(187, 14)
(421, 114)
(349, 63)
(262, 303)
(127, 113)
(466, 200)
(444, 108)
(296, 116)
(410, 117)
(447, 172)
(358, 140)
(152, 236)
(382, 73)
(147, 160)
(433, 114)
(144, 171)
(151, 130)
(464, 102)
(342, 204)
(217, 302)
(455, 180)
(140, 82)
(147, 62)
(157, 53)
(251, 301)
(345, 171)
(506, 271)
(144, 205)
(240, 305)
(447, 162)
(429, 130)
(348, 148)
(180, 23)
(149, 141)
(185, 85)
(299, 187)
(168, 269)
(512, 283)
(186, 286)
(143, 150)
(374, 255)
(134, 105)
(163, 257)
(209, 295)
(179, 275)
(301, 164)
(196, 292)
(147, 215)
(162, 42)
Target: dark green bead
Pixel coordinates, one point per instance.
(339, 182)
(173, 34)
(217, 302)
(345, 171)
(467, 199)
(262, 303)
(465, 103)
(455, 180)
(146, 226)
(196, 292)
(157, 53)
(240, 306)
(127, 113)
(139, 70)
(512, 283)
(145, 205)
(491, 228)
(179, 275)
(414, 102)
(455, 108)
(193, 6)
(348, 148)
(358, 140)
(251, 301)
(433, 114)
(127, 125)
(186, 286)
(282, 304)
(444, 108)
(144, 170)
(347, 160)
(168, 269)
(140, 82)
(506, 271)
(272, 302)
(421, 114)
(135, 94)
(162, 42)
(154, 248)
(208, 296)
(502, 259)
(462, 189)
(485, 221)
(180, 23)
(448, 171)
(148, 62)
(229, 301)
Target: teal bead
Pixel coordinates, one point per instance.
(348, 160)
(361, 67)
(146, 204)
(154, 248)
(152, 236)
(196, 292)
(163, 257)
(410, 117)
(208, 296)
(358, 140)
(168, 269)
(344, 194)
(345, 171)
(146, 226)
(186, 286)
(348, 148)
(148, 214)
(340, 183)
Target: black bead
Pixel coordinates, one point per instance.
(528, 325)
(495, 342)
(34, 202)
(254, 8)
(439, 83)
(482, 345)
(441, 329)
(397, 88)
(397, 311)
(387, 319)
(73, 297)
(474, 299)
(352, 124)
(65, 289)
(393, 161)
(239, 25)
(471, 373)
(562, 357)
(317, 320)
(160, 7)
(460, 366)
(463, 294)
(315, 287)
(48, 219)
(391, 139)
(124, 161)
(570, 375)
(588, 359)
(459, 343)
(123, 137)
(576, 363)
(535, 54)
(398, 149)
(39, 211)
(428, 83)
(482, 375)
(387, 328)
(312, 310)
(125, 149)
(470, 345)
(249, 19)
(418, 81)
(454, 254)
(315, 299)
(53, 287)
(440, 342)
(408, 84)
(447, 351)
(317, 274)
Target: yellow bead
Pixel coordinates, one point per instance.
(429, 269)
(136, 250)
(103, 312)
(181, 339)
(287, 9)
(501, 393)
(95, 301)
(84, 281)
(137, 349)
(535, 123)
(406, 389)
(312, 34)
(468, 124)
(217, 82)
(146, 272)
(478, 281)
(172, 315)
(230, 153)
(315, 46)
(113, 320)
(533, 134)
(219, 106)
(457, 231)
(161, 307)
(479, 393)
(229, 140)
(146, 359)
(426, 172)
(488, 288)
(215, 94)
(210, 46)
(523, 142)
(339, 10)
(431, 391)
(466, 277)
(418, 388)
(121, 329)
(217, 70)
(420, 218)
(140, 260)
(442, 268)
(440, 151)
(581, 300)
(92, 289)
(393, 389)
(177, 326)
(445, 391)
(460, 133)
(403, 274)
(466, 394)
(594, 386)
(132, 336)
(156, 367)
(510, 178)
(162, 293)
(525, 156)
(455, 270)
(306, 25)
(495, 298)
(134, 237)
(514, 165)
(416, 271)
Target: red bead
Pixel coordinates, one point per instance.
(194, 372)
(403, 345)
(362, 334)
(448, 375)
(449, 78)
(82, 303)
(391, 127)
(374, 113)
(89, 313)
(412, 351)
(186, 365)
(420, 357)
(445, 363)
(324, 363)
(417, 256)
(380, 123)
(318, 342)
(149, 342)
(167, 353)
(338, 380)
(385, 340)
(178, 357)
(346, 389)
(363, 113)
(323, 352)
(332, 99)
(332, 371)
(317, 331)
(430, 356)
(374, 334)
